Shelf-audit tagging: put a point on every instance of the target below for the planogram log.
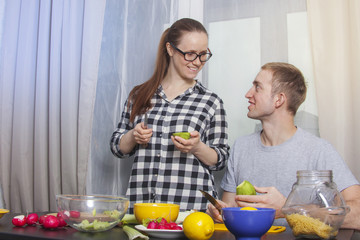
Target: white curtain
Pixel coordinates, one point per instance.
(48, 72)
(335, 35)
(132, 30)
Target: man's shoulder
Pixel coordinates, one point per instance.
(313, 142)
(309, 137)
(246, 139)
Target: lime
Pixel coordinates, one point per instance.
(184, 135)
(245, 188)
(198, 226)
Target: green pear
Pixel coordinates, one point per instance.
(184, 135)
(245, 188)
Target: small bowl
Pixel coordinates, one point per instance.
(315, 222)
(92, 213)
(3, 212)
(168, 211)
(248, 224)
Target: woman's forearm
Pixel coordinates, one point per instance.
(127, 142)
(206, 154)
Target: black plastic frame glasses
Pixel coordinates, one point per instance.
(192, 56)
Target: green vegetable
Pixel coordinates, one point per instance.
(95, 225)
(133, 233)
(113, 214)
(146, 221)
(184, 135)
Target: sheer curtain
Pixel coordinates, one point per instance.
(48, 73)
(335, 31)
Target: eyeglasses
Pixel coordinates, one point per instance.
(192, 56)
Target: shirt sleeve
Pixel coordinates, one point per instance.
(123, 127)
(228, 181)
(218, 136)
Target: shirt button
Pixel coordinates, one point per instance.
(158, 154)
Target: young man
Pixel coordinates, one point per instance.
(270, 158)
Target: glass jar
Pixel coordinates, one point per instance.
(314, 207)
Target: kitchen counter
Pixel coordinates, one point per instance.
(8, 231)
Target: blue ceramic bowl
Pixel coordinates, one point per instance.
(248, 224)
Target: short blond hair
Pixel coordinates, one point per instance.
(288, 79)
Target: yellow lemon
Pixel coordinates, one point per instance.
(3, 211)
(248, 208)
(198, 226)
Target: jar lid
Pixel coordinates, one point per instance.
(314, 173)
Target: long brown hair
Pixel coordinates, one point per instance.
(140, 96)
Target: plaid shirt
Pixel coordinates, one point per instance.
(160, 172)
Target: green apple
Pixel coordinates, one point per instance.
(245, 188)
(184, 135)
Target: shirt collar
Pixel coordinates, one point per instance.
(197, 87)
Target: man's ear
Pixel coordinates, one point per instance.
(280, 99)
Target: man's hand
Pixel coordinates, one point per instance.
(214, 213)
(269, 197)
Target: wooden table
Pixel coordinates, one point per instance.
(8, 231)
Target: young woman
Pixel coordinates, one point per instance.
(167, 168)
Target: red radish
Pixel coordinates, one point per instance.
(161, 227)
(32, 219)
(19, 220)
(51, 222)
(62, 222)
(152, 225)
(177, 228)
(171, 225)
(63, 214)
(161, 223)
(74, 214)
(66, 214)
(42, 219)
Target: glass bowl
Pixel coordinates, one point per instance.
(315, 222)
(92, 213)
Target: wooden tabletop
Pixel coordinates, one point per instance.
(8, 231)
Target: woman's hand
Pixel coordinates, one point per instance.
(187, 145)
(204, 153)
(142, 134)
(270, 197)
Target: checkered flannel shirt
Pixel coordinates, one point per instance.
(160, 172)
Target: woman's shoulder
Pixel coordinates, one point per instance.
(203, 90)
